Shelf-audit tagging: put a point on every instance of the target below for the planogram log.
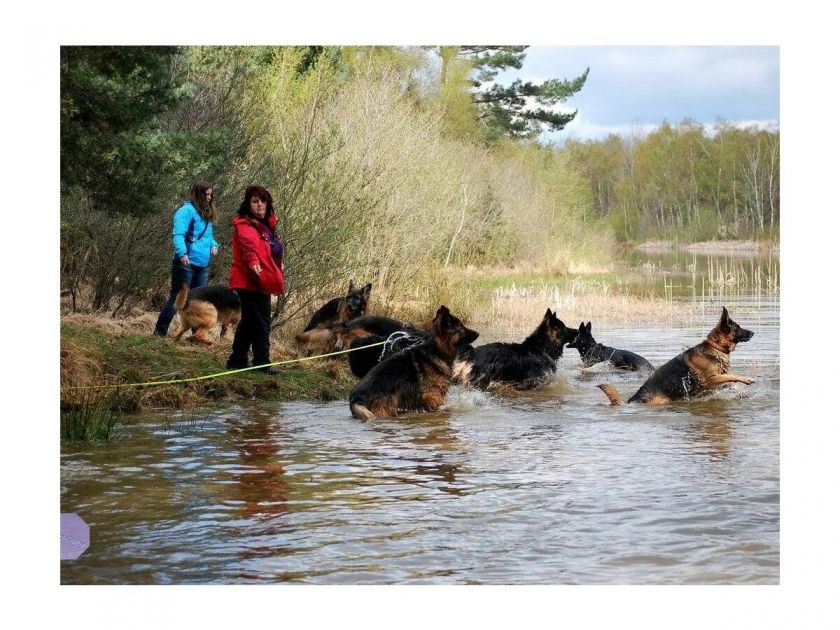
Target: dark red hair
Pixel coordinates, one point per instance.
(260, 193)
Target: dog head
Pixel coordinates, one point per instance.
(450, 332)
(583, 339)
(357, 300)
(728, 332)
(554, 331)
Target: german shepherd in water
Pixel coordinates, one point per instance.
(203, 308)
(416, 379)
(592, 352)
(365, 354)
(525, 365)
(697, 370)
(341, 309)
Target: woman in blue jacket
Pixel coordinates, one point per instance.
(192, 236)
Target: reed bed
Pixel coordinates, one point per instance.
(735, 276)
(516, 309)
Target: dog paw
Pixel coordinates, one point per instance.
(748, 380)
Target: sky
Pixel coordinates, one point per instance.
(638, 87)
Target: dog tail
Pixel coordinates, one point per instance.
(360, 412)
(612, 394)
(183, 296)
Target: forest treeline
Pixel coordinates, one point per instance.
(685, 183)
(392, 165)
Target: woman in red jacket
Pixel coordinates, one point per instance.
(256, 274)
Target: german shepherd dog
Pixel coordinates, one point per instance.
(592, 352)
(525, 365)
(339, 336)
(341, 309)
(364, 358)
(416, 379)
(203, 308)
(697, 370)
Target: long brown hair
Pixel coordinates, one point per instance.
(207, 211)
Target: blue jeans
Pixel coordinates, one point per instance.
(193, 276)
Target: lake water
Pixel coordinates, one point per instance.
(547, 487)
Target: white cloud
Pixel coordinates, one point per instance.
(582, 128)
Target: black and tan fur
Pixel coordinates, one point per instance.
(525, 365)
(417, 379)
(339, 336)
(592, 352)
(204, 307)
(341, 309)
(370, 350)
(693, 372)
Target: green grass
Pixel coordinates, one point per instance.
(91, 417)
(125, 359)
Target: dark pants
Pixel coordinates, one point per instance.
(252, 330)
(193, 276)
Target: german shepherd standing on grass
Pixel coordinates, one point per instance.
(592, 352)
(339, 336)
(204, 307)
(416, 379)
(697, 370)
(341, 309)
(525, 365)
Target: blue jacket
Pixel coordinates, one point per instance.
(187, 226)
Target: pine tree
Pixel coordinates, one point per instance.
(112, 98)
(521, 109)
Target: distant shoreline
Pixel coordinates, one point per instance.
(710, 247)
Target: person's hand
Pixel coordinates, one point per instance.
(256, 269)
(185, 260)
(214, 251)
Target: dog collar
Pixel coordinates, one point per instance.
(716, 346)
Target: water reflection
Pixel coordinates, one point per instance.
(261, 485)
(432, 463)
(710, 430)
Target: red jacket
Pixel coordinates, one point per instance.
(251, 246)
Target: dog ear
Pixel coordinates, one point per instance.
(366, 290)
(724, 319)
(352, 286)
(547, 314)
(582, 327)
(589, 327)
(442, 320)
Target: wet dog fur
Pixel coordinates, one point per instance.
(525, 365)
(202, 308)
(592, 352)
(416, 379)
(693, 372)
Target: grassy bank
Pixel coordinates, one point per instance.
(95, 351)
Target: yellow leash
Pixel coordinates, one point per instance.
(218, 374)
